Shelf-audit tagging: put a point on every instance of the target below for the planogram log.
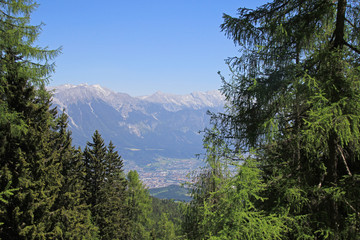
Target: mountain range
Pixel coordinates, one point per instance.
(142, 128)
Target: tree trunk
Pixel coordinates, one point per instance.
(338, 80)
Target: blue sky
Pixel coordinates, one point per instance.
(139, 46)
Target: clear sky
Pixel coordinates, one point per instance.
(139, 46)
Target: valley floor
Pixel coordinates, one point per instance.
(165, 171)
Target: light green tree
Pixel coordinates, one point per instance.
(226, 198)
(139, 208)
(165, 228)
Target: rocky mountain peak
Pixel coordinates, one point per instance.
(70, 94)
(142, 128)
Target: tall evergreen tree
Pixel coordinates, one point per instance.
(112, 208)
(294, 96)
(26, 157)
(105, 187)
(72, 216)
(94, 160)
(203, 185)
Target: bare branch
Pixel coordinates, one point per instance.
(351, 207)
(352, 47)
(321, 180)
(344, 160)
(351, 24)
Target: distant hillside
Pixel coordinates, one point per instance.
(174, 192)
(142, 128)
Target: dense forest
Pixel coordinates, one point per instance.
(282, 162)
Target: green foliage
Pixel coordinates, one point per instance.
(164, 210)
(174, 192)
(6, 193)
(27, 157)
(71, 215)
(227, 201)
(294, 97)
(165, 228)
(105, 188)
(139, 208)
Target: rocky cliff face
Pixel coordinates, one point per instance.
(142, 128)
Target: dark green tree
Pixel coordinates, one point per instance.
(112, 207)
(294, 97)
(72, 216)
(27, 159)
(105, 188)
(94, 161)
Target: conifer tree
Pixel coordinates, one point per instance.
(139, 208)
(112, 207)
(165, 228)
(105, 188)
(294, 97)
(94, 164)
(225, 197)
(26, 155)
(72, 215)
(203, 185)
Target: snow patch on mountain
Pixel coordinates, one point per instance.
(71, 94)
(160, 121)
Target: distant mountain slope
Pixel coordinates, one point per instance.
(174, 192)
(142, 128)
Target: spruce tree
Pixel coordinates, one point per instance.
(72, 216)
(105, 187)
(94, 164)
(112, 207)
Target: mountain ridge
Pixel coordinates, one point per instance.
(144, 122)
(157, 135)
(83, 92)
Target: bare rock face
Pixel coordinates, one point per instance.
(142, 128)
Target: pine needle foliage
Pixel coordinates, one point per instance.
(105, 188)
(294, 97)
(27, 158)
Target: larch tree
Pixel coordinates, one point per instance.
(27, 159)
(138, 203)
(227, 195)
(294, 97)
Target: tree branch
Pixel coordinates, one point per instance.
(344, 160)
(351, 207)
(352, 47)
(348, 21)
